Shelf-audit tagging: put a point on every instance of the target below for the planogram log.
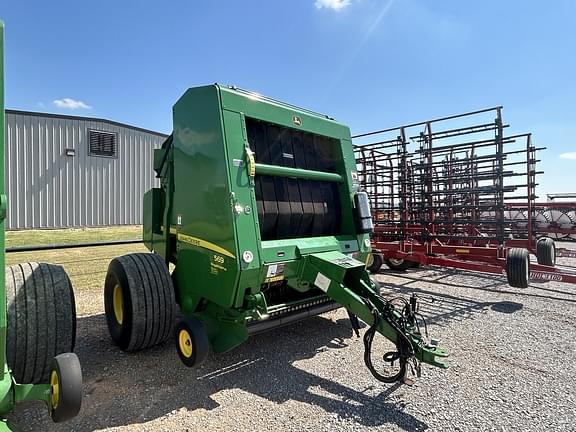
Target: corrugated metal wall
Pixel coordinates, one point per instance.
(46, 188)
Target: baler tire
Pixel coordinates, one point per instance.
(41, 319)
(192, 343)
(139, 301)
(518, 267)
(65, 387)
(400, 264)
(546, 251)
(375, 264)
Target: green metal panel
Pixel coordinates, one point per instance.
(201, 211)
(256, 106)
(242, 205)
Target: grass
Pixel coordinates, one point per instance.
(73, 235)
(87, 266)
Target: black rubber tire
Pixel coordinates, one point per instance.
(518, 267)
(403, 265)
(41, 315)
(375, 264)
(69, 373)
(546, 251)
(148, 301)
(199, 340)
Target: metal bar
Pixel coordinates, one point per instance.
(429, 121)
(531, 188)
(280, 171)
(33, 248)
(285, 319)
(461, 131)
(553, 196)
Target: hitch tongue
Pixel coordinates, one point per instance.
(428, 354)
(347, 282)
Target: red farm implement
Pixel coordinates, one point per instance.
(458, 192)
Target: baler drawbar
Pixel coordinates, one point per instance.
(259, 211)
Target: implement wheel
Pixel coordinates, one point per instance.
(192, 341)
(374, 263)
(139, 301)
(65, 387)
(518, 267)
(546, 251)
(41, 317)
(400, 264)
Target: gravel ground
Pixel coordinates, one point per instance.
(511, 368)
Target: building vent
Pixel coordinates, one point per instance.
(102, 143)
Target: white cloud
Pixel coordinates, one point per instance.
(570, 155)
(70, 103)
(332, 4)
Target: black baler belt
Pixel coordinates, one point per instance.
(271, 210)
(258, 137)
(280, 183)
(304, 188)
(259, 199)
(284, 209)
(294, 197)
(307, 208)
(289, 207)
(311, 163)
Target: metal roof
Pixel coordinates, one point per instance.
(94, 119)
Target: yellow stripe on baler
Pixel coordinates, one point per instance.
(194, 241)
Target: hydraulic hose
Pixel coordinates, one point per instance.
(403, 354)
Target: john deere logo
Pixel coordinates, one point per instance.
(297, 120)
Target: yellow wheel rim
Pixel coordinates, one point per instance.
(185, 343)
(118, 303)
(54, 389)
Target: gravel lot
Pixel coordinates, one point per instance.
(512, 368)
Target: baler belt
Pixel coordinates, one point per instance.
(304, 186)
(293, 207)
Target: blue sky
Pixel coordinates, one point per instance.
(368, 63)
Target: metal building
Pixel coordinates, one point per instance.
(67, 171)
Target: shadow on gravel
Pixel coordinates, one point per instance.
(440, 307)
(476, 281)
(124, 389)
(506, 307)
